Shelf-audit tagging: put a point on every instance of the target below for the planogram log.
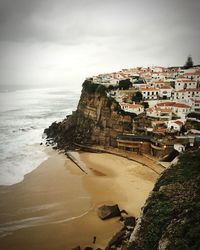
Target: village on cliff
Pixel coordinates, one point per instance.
(170, 97)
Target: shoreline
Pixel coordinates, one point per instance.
(60, 183)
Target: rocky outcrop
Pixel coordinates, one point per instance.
(97, 121)
(170, 218)
(105, 212)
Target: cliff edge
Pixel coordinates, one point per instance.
(97, 121)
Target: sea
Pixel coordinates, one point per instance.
(24, 114)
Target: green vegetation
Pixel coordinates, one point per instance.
(92, 88)
(194, 115)
(101, 90)
(111, 87)
(172, 212)
(189, 63)
(159, 212)
(145, 104)
(125, 84)
(137, 97)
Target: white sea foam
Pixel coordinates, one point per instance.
(24, 115)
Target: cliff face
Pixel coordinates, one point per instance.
(96, 121)
(171, 217)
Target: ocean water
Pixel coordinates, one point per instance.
(24, 114)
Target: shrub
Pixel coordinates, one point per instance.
(125, 84)
(92, 88)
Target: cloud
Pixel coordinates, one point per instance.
(79, 21)
(91, 35)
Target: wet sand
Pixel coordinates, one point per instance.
(55, 206)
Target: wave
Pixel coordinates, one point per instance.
(24, 116)
(12, 226)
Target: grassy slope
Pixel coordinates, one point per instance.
(171, 216)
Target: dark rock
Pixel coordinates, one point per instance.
(76, 248)
(121, 218)
(108, 211)
(117, 239)
(130, 221)
(41, 143)
(124, 212)
(124, 246)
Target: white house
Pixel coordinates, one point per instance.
(193, 76)
(175, 125)
(149, 93)
(156, 69)
(157, 83)
(165, 92)
(161, 113)
(157, 75)
(180, 109)
(187, 94)
(196, 105)
(184, 83)
(132, 108)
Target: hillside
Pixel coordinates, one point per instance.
(170, 217)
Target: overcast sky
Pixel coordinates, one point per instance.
(60, 42)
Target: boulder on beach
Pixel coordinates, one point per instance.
(108, 211)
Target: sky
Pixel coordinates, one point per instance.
(46, 43)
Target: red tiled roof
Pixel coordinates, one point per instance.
(192, 74)
(165, 87)
(160, 130)
(149, 89)
(179, 122)
(149, 110)
(173, 104)
(169, 104)
(166, 110)
(131, 105)
(135, 106)
(185, 80)
(181, 105)
(188, 90)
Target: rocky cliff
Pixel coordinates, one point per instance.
(170, 218)
(97, 121)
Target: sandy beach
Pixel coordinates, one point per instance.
(55, 206)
